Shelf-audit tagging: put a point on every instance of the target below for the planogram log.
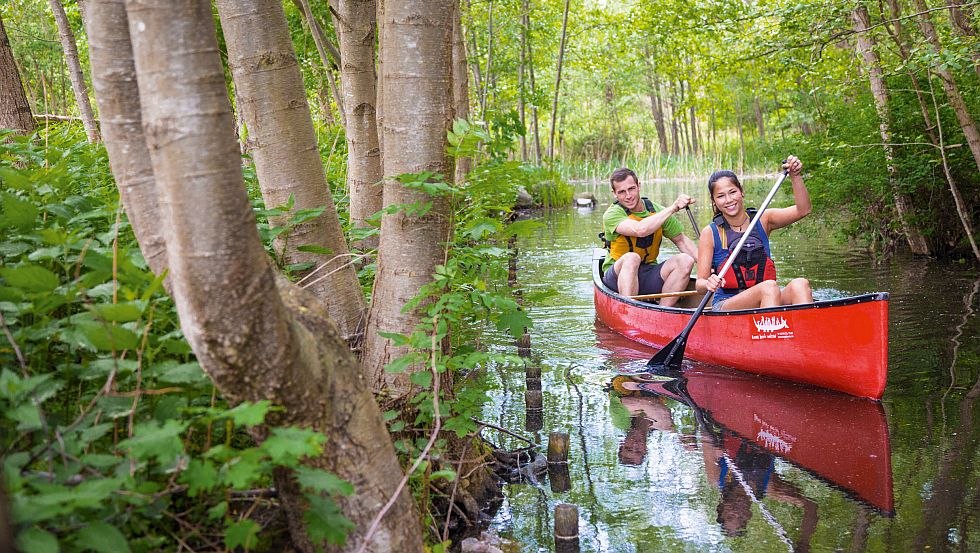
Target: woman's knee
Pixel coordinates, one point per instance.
(768, 288)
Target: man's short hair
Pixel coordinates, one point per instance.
(619, 175)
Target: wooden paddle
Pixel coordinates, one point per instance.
(669, 358)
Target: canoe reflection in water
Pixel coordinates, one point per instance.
(746, 423)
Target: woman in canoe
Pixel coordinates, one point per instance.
(751, 280)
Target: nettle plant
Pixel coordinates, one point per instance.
(112, 438)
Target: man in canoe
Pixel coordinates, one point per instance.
(751, 280)
(634, 227)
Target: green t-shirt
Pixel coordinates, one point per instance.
(615, 214)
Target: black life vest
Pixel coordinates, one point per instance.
(752, 265)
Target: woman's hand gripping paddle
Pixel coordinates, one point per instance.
(669, 358)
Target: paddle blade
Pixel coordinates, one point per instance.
(669, 358)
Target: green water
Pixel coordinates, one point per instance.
(644, 469)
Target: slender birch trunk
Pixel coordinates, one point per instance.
(959, 18)
(417, 50)
(967, 123)
(879, 91)
(15, 112)
(530, 74)
(554, 102)
(356, 25)
(256, 336)
(656, 107)
(287, 161)
(760, 120)
(75, 73)
(329, 55)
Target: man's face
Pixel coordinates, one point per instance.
(628, 193)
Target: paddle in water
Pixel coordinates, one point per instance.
(669, 358)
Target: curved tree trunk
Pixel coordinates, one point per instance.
(256, 338)
(417, 103)
(15, 112)
(879, 91)
(283, 144)
(356, 26)
(75, 71)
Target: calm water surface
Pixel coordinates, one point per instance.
(728, 462)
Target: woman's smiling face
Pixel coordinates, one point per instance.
(728, 197)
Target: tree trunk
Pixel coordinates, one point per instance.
(329, 55)
(675, 140)
(959, 18)
(15, 112)
(895, 30)
(75, 71)
(760, 120)
(521, 84)
(879, 91)
(487, 75)
(530, 73)
(255, 338)
(461, 89)
(966, 120)
(287, 161)
(355, 27)
(653, 84)
(114, 84)
(554, 103)
(695, 143)
(418, 110)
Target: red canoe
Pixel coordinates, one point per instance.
(842, 440)
(838, 344)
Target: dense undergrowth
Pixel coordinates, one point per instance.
(112, 438)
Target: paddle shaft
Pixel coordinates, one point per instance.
(697, 233)
(681, 339)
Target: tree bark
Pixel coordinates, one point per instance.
(879, 91)
(75, 71)
(283, 145)
(461, 89)
(255, 337)
(15, 112)
(656, 107)
(117, 95)
(355, 27)
(760, 121)
(417, 50)
(956, 101)
(329, 55)
(933, 130)
(959, 18)
(554, 102)
(533, 91)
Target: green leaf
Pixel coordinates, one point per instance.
(249, 414)
(218, 511)
(421, 378)
(288, 445)
(27, 416)
(200, 476)
(118, 312)
(185, 373)
(514, 322)
(244, 470)
(108, 337)
(15, 179)
(322, 481)
(324, 521)
(313, 248)
(397, 339)
(101, 537)
(244, 534)
(447, 474)
(36, 540)
(480, 228)
(32, 278)
(153, 440)
(17, 213)
(400, 364)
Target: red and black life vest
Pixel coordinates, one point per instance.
(752, 265)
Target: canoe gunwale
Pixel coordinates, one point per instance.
(849, 300)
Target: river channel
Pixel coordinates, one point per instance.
(731, 462)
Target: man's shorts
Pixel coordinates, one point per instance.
(651, 282)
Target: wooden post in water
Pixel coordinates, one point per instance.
(558, 475)
(566, 528)
(534, 406)
(524, 344)
(532, 376)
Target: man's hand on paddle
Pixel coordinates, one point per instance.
(682, 201)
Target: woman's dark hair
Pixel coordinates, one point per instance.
(717, 176)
